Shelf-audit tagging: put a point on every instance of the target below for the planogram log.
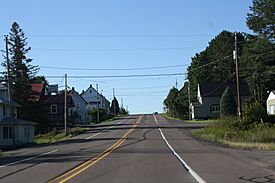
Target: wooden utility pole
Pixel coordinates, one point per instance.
(189, 101)
(97, 104)
(65, 105)
(235, 55)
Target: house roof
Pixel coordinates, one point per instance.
(36, 91)
(216, 89)
(73, 91)
(15, 121)
(37, 87)
(10, 103)
(58, 99)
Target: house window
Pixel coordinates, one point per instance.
(7, 132)
(53, 109)
(4, 110)
(215, 108)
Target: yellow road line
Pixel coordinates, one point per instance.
(77, 170)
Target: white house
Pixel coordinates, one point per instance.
(80, 107)
(270, 103)
(93, 98)
(13, 131)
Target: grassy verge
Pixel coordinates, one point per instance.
(202, 121)
(52, 137)
(169, 117)
(260, 137)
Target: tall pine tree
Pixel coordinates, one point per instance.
(21, 69)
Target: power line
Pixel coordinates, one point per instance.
(120, 76)
(118, 35)
(112, 69)
(113, 49)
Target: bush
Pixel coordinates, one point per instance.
(253, 113)
(227, 104)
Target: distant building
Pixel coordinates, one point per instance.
(13, 131)
(270, 102)
(93, 98)
(54, 106)
(80, 107)
(209, 95)
(38, 90)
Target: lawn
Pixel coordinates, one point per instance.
(260, 137)
(52, 137)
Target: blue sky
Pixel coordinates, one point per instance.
(121, 34)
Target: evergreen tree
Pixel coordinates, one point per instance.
(262, 18)
(115, 106)
(227, 104)
(21, 70)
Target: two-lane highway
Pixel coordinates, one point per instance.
(135, 149)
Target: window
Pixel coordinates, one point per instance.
(7, 132)
(53, 109)
(4, 110)
(215, 108)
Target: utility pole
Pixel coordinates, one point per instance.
(235, 56)
(114, 109)
(176, 83)
(189, 100)
(65, 105)
(97, 104)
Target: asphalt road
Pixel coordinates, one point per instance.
(132, 150)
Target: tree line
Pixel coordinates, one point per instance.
(256, 55)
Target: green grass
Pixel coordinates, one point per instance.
(52, 137)
(258, 137)
(202, 121)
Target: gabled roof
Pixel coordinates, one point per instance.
(73, 91)
(216, 89)
(58, 99)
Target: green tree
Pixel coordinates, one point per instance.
(21, 70)
(215, 63)
(257, 65)
(262, 18)
(227, 104)
(115, 106)
(170, 101)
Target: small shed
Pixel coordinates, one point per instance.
(271, 103)
(16, 132)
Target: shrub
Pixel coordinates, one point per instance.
(227, 104)
(253, 113)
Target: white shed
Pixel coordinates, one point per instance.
(270, 103)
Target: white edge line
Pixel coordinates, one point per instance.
(191, 171)
(23, 160)
(104, 130)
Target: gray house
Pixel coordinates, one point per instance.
(13, 131)
(80, 107)
(209, 95)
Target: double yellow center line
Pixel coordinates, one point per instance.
(82, 167)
